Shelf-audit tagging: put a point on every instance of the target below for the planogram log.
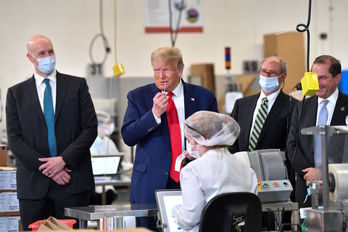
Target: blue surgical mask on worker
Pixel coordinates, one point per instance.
(47, 64)
(194, 154)
(269, 84)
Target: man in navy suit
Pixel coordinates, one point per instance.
(145, 123)
(58, 174)
(301, 147)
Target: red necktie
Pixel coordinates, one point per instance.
(175, 136)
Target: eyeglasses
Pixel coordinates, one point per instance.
(270, 73)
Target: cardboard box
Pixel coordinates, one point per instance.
(290, 47)
(3, 155)
(9, 202)
(205, 74)
(9, 224)
(8, 178)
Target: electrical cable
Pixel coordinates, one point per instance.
(115, 32)
(305, 28)
(102, 35)
(302, 28)
(174, 33)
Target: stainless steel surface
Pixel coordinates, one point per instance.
(325, 132)
(96, 212)
(117, 181)
(287, 206)
(328, 218)
(111, 223)
(331, 130)
(324, 221)
(278, 208)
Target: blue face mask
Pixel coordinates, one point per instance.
(269, 84)
(47, 64)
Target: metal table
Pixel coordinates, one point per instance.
(110, 216)
(118, 181)
(278, 207)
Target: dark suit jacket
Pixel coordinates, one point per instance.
(275, 129)
(75, 128)
(304, 157)
(152, 159)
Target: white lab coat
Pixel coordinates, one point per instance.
(103, 146)
(216, 172)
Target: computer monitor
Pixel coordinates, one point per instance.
(106, 165)
(167, 200)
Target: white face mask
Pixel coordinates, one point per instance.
(110, 129)
(194, 154)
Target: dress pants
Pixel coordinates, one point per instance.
(52, 205)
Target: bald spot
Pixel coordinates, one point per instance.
(34, 40)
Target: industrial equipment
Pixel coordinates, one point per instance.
(332, 190)
(270, 170)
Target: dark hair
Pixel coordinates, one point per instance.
(335, 65)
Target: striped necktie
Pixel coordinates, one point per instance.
(49, 118)
(258, 124)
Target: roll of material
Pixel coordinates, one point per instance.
(338, 176)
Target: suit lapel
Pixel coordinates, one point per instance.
(340, 111)
(277, 107)
(308, 119)
(190, 100)
(33, 95)
(61, 91)
(248, 113)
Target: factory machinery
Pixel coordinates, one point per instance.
(329, 195)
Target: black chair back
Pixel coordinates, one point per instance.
(237, 211)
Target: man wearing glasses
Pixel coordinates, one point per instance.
(328, 107)
(264, 118)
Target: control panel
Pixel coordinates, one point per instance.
(274, 190)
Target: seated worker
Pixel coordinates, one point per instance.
(215, 170)
(103, 145)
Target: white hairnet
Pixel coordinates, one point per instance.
(103, 117)
(210, 129)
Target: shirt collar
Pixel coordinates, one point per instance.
(333, 97)
(270, 97)
(178, 89)
(39, 79)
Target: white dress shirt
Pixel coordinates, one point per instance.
(271, 99)
(41, 86)
(216, 172)
(178, 99)
(330, 106)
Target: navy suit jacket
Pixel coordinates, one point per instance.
(75, 128)
(275, 129)
(304, 156)
(152, 159)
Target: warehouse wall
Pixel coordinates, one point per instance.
(71, 24)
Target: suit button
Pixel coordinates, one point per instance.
(166, 173)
